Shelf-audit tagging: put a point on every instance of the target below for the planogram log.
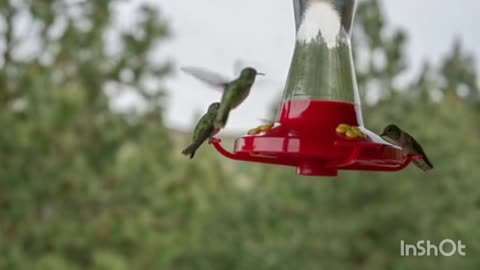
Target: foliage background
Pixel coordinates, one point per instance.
(83, 186)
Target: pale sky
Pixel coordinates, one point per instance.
(214, 33)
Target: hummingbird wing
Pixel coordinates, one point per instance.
(203, 130)
(204, 127)
(424, 163)
(211, 78)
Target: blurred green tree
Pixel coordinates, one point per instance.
(79, 180)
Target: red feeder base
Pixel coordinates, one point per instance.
(307, 139)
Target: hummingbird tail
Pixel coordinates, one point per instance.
(190, 151)
(423, 164)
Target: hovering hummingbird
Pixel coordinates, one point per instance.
(203, 130)
(409, 145)
(234, 91)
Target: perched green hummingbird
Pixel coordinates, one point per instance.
(409, 145)
(234, 91)
(203, 130)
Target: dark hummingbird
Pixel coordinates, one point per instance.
(408, 144)
(203, 130)
(234, 91)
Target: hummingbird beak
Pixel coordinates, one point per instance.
(261, 74)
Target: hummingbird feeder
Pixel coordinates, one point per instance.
(320, 128)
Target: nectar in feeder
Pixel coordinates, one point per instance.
(320, 127)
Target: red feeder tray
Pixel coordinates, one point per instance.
(311, 144)
(321, 93)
